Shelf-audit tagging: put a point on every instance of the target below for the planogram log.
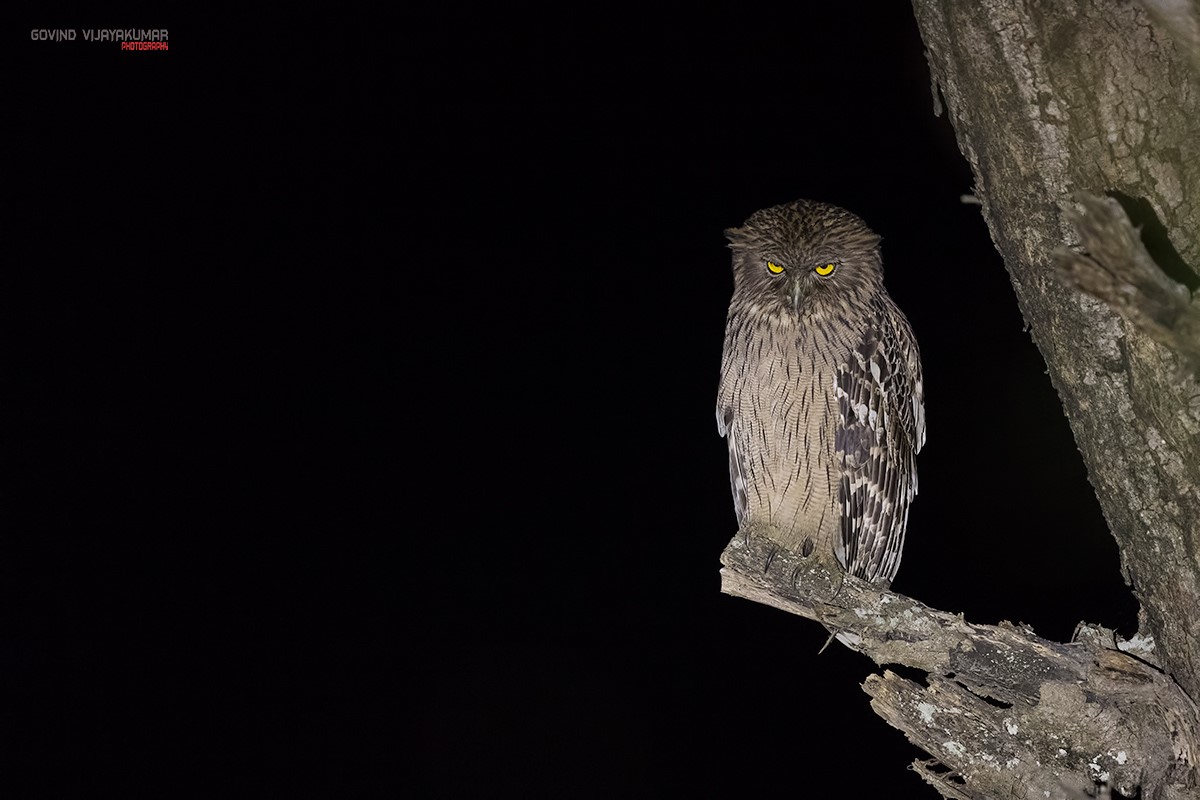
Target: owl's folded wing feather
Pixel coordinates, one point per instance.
(881, 427)
(737, 472)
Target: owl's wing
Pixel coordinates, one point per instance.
(881, 427)
(737, 470)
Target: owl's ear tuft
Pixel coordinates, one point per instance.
(736, 237)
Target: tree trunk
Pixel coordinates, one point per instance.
(1055, 105)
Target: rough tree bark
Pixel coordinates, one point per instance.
(1074, 116)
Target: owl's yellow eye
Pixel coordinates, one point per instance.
(774, 268)
(825, 271)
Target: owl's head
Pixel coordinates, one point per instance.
(800, 256)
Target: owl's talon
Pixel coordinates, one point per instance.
(770, 558)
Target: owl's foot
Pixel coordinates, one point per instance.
(803, 563)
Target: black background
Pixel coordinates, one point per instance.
(361, 423)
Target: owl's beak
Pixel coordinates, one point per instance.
(799, 292)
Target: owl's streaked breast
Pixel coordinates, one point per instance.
(778, 379)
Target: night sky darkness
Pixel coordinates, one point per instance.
(361, 436)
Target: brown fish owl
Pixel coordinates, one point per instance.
(820, 398)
